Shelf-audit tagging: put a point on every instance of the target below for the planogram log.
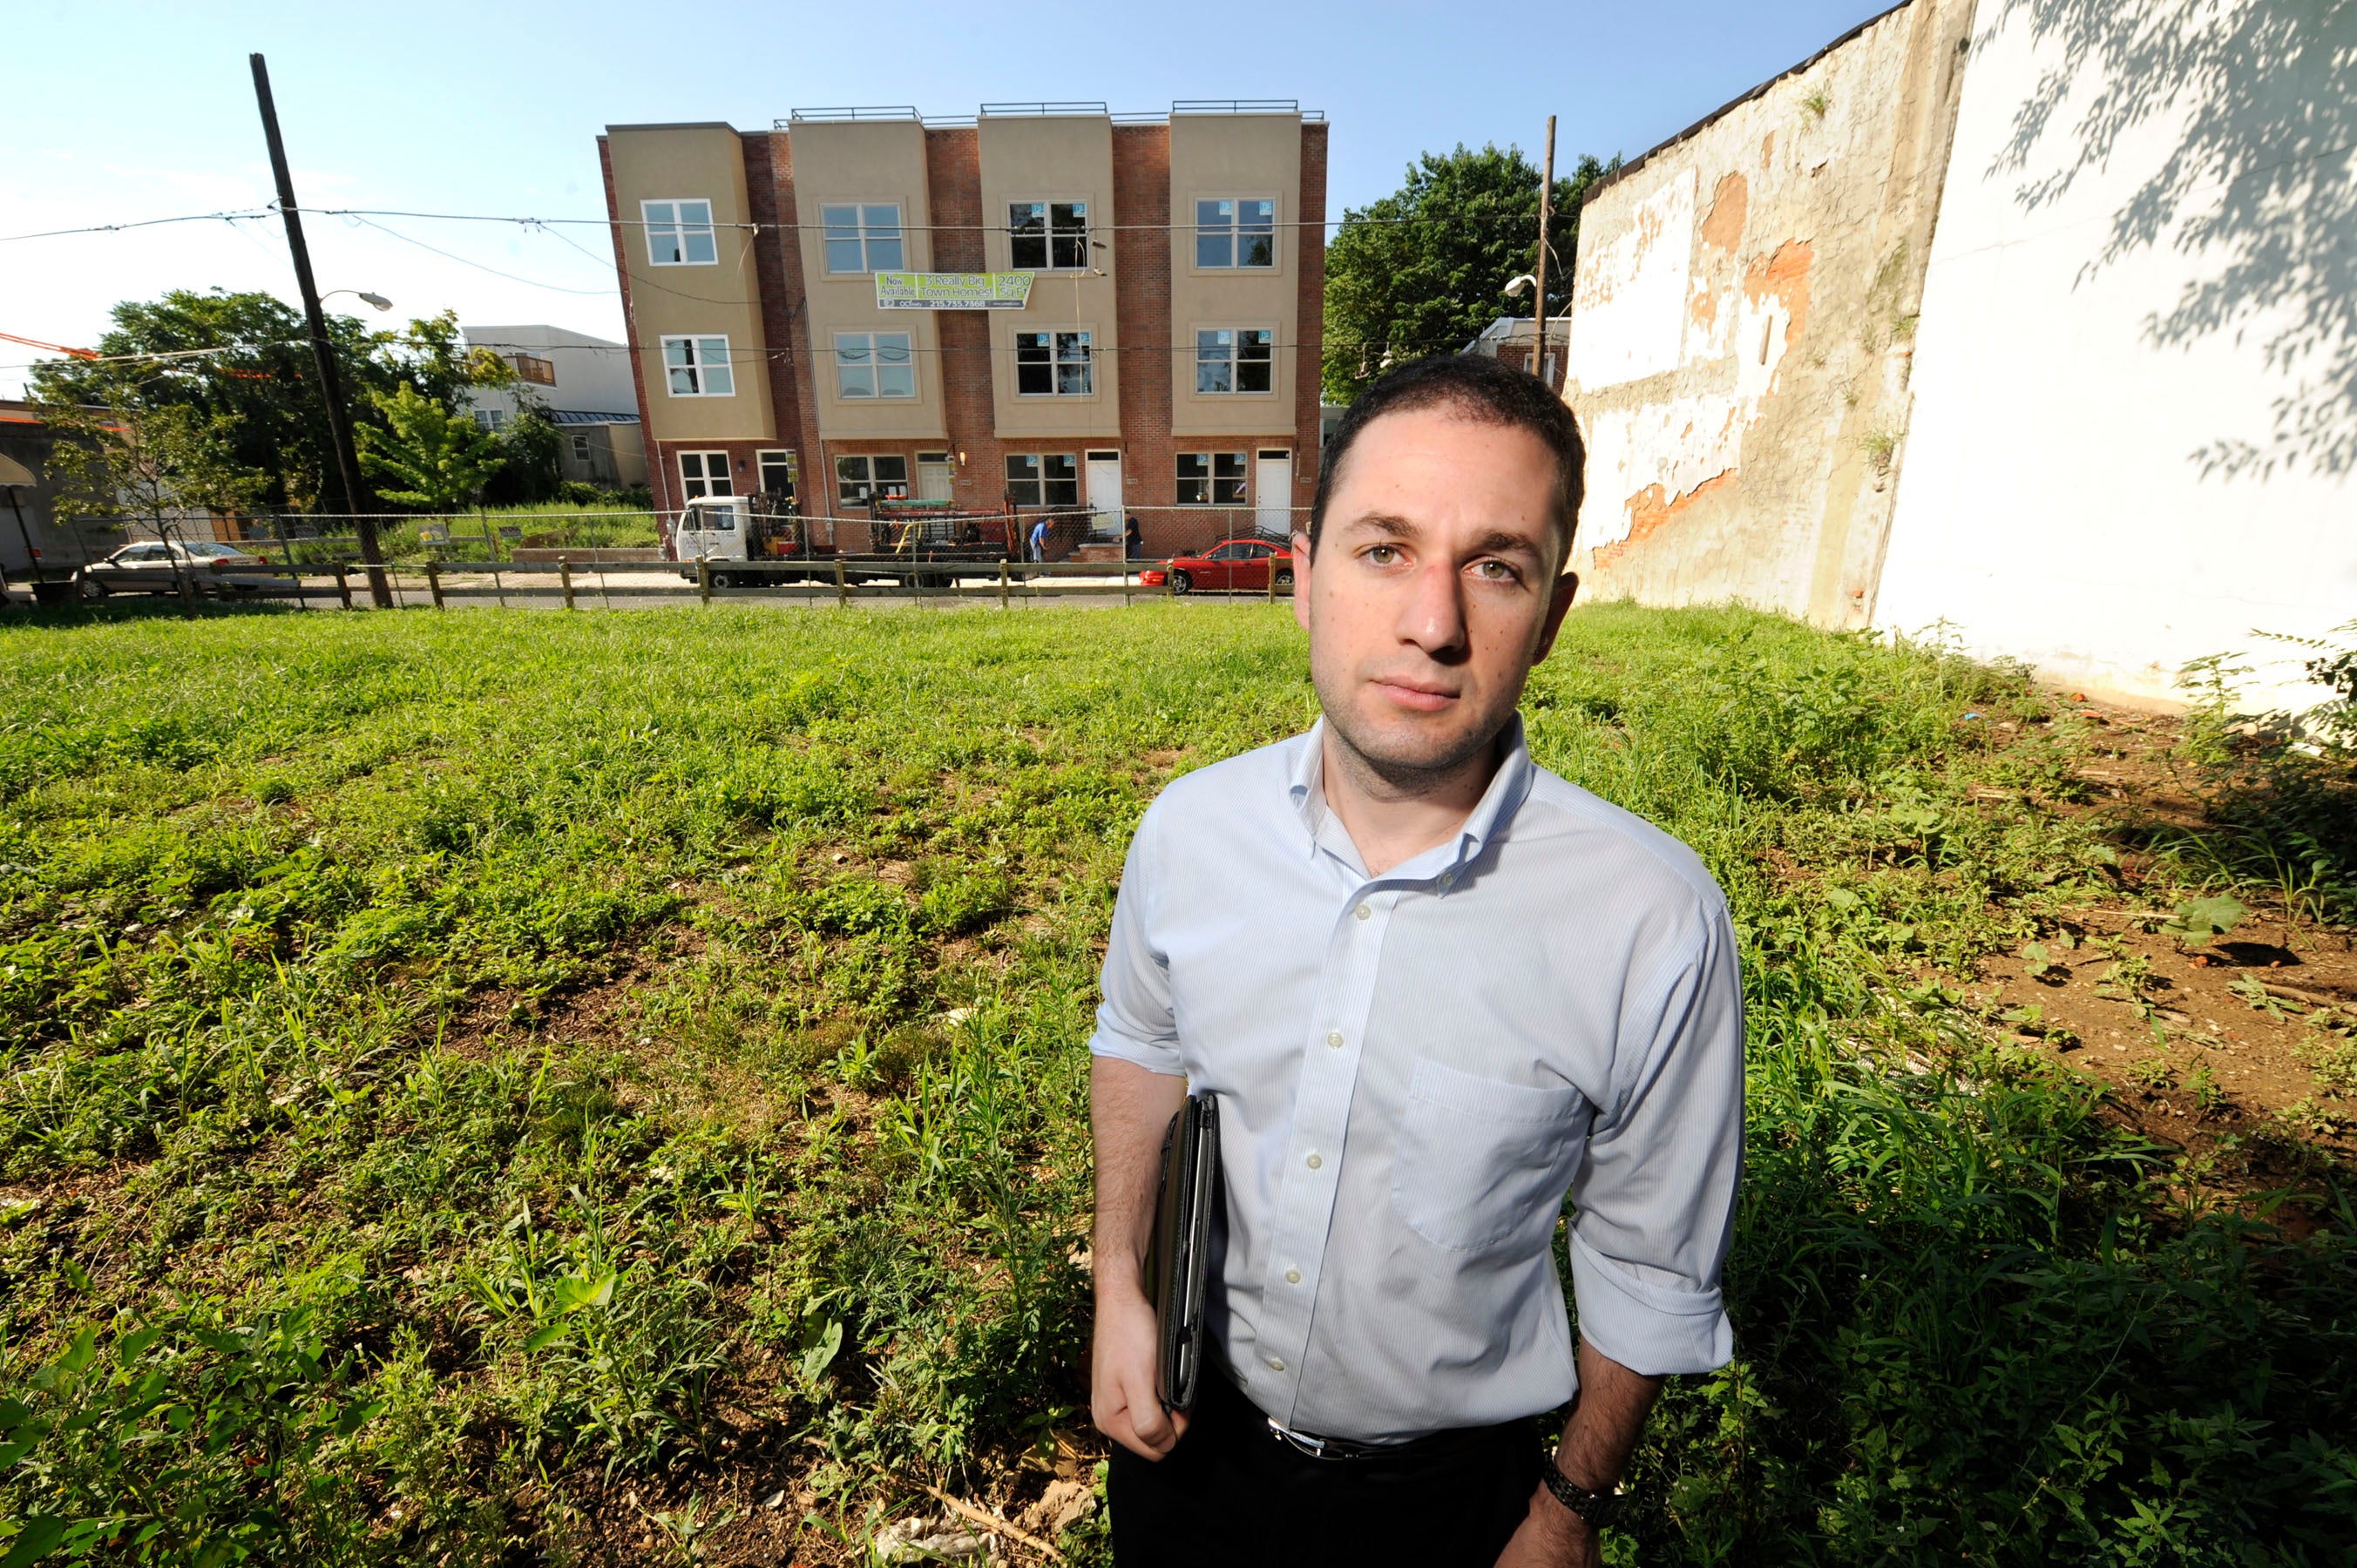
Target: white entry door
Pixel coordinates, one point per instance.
(1273, 490)
(1104, 491)
(934, 476)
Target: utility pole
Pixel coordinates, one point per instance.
(1546, 210)
(331, 385)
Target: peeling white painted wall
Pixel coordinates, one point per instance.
(1629, 299)
(2055, 504)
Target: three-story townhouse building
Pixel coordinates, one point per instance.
(1164, 365)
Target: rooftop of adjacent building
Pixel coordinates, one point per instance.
(1079, 109)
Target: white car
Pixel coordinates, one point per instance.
(153, 566)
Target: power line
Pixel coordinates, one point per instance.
(1451, 220)
(446, 255)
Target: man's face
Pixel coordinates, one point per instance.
(1433, 591)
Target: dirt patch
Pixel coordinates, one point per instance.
(2224, 1051)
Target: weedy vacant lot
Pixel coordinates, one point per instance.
(612, 1088)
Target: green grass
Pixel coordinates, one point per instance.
(474, 1084)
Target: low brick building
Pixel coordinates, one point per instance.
(1164, 364)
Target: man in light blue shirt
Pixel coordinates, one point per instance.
(1040, 540)
(1434, 987)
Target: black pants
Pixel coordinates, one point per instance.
(1234, 1494)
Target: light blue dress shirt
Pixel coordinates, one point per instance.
(1413, 1069)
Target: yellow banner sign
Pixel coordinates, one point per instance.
(952, 291)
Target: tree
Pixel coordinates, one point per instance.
(1424, 270)
(438, 456)
(534, 447)
(118, 460)
(258, 398)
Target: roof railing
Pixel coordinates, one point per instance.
(1240, 106)
(1075, 106)
(855, 111)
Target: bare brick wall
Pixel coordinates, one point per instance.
(771, 247)
(954, 189)
(1141, 198)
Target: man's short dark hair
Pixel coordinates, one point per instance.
(1474, 387)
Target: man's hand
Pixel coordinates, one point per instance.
(1550, 1536)
(1123, 1400)
(1606, 1418)
(1129, 1108)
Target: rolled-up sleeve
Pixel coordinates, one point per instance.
(1657, 1193)
(1135, 1020)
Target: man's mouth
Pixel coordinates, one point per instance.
(1421, 696)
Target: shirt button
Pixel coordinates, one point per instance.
(1334, 1038)
(1276, 1365)
(1364, 912)
(1293, 1276)
(1315, 1162)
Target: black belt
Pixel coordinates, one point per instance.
(1415, 1448)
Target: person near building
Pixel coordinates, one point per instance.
(1040, 538)
(1133, 540)
(1433, 988)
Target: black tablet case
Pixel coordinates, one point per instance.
(1177, 1266)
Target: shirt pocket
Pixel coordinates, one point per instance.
(1476, 1156)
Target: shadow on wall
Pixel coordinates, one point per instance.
(2260, 188)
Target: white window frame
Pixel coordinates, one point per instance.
(827, 238)
(1041, 459)
(867, 461)
(1234, 230)
(492, 419)
(702, 366)
(687, 483)
(1234, 361)
(1057, 362)
(1212, 478)
(682, 231)
(582, 446)
(873, 365)
(1051, 232)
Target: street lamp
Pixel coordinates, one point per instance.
(363, 295)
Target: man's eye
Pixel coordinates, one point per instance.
(1496, 571)
(1384, 554)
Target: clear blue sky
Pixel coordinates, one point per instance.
(135, 110)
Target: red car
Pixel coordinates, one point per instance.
(1232, 563)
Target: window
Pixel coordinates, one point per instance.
(1234, 359)
(580, 448)
(1053, 364)
(874, 364)
(860, 481)
(1210, 478)
(493, 419)
(679, 233)
(532, 368)
(1052, 479)
(1236, 231)
(776, 472)
(698, 367)
(705, 474)
(863, 239)
(1049, 235)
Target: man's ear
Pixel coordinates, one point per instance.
(1301, 580)
(1566, 588)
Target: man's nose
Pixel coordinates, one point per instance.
(1433, 615)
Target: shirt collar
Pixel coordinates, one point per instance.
(1509, 787)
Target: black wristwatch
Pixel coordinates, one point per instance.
(1598, 1508)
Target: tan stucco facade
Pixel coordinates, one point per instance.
(659, 163)
(1244, 156)
(1052, 158)
(865, 162)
